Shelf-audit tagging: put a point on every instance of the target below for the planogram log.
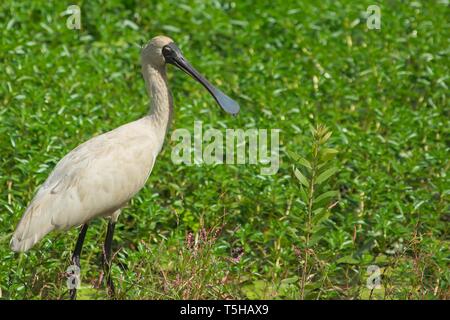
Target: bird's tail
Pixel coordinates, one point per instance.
(33, 226)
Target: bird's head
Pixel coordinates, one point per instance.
(152, 51)
(162, 50)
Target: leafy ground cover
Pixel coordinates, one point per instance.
(226, 231)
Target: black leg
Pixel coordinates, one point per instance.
(76, 255)
(107, 250)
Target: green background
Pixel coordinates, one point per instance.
(290, 64)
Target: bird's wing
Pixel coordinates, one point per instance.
(96, 178)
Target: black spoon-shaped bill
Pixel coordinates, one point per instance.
(172, 54)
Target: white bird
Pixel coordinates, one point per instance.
(100, 176)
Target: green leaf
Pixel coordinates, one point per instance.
(313, 130)
(326, 195)
(293, 279)
(294, 156)
(304, 162)
(326, 137)
(325, 175)
(320, 217)
(296, 218)
(292, 231)
(318, 234)
(381, 259)
(301, 177)
(303, 194)
(317, 211)
(328, 153)
(347, 260)
(315, 239)
(319, 228)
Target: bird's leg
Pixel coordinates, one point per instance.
(107, 250)
(76, 256)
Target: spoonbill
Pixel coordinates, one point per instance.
(97, 178)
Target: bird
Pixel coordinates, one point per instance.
(100, 176)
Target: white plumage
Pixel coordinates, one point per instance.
(95, 179)
(100, 176)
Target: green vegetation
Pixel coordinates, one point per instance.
(226, 231)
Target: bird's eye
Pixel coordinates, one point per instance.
(166, 50)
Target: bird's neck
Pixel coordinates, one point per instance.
(161, 104)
